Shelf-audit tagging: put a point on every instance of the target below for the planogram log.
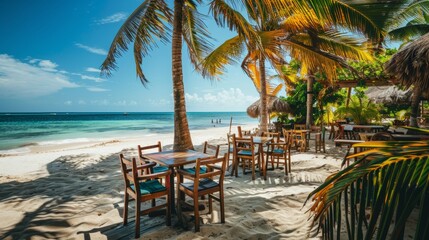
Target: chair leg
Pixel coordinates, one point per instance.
(196, 214)
(253, 169)
(222, 206)
(137, 229)
(125, 210)
(210, 204)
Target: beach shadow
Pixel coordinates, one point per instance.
(75, 184)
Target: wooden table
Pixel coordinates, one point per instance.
(175, 159)
(404, 137)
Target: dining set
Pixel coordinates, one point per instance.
(253, 150)
(151, 177)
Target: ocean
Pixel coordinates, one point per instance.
(18, 130)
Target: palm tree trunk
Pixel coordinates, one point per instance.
(263, 95)
(310, 83)
(182, 136)
(415, 101)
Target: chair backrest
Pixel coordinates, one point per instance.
(288, 136)
(130, 173)
(274, 135)
(213, 169)
(239, 133)
(213, 148)
(148, 149)
(244, 144)
(299, 126)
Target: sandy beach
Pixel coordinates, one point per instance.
(75, 191)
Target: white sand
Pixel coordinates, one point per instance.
(75, 191)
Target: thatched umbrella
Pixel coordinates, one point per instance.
(388, 94)
(275, 104)
(410, 65)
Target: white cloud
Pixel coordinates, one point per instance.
(232, 96)
(91, 69)
(81, 102)
(98, 51)
(95, 79)
(160, 102)
(46, 65)
(19, 79)
(117, 17)
(97, 89)
(125, 103)
(69, 103)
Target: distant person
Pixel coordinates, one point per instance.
(217, 121)
(220, 120)
(212, 120)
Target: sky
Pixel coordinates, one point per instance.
(51, 52)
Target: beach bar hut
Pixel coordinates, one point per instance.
(410, 66)
(275, 104)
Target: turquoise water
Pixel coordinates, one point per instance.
(23, 129)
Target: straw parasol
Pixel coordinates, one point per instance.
(388, 94)
(410, 66)
(275, 104)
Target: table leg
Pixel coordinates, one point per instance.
(172, 192)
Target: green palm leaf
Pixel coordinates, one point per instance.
(387, 188)
(195, 34)
(145, 26)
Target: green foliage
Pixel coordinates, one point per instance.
(376, 194)
(298, 100)
(360, 110)
(368, 70)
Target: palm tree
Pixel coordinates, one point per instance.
(258, 35)
(303, 34)
(147, 25)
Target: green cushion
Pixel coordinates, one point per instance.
(192, 170)
(278, 151)
(149, 187)
(245, 152)
(205, 183)
(158, 169)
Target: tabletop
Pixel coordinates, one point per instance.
(176, 158)
(261, 140)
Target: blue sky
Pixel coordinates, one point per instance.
(50, 53)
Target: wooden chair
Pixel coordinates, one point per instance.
(278, 150)
(299, 127)
(276, 139)
(149, 188)
(147, 149)
(289, 140)
(244, 149)
(207, 149)
(230, 151)
(242, 133)
(319, 140)
(204, 184)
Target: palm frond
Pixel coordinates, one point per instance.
(315, 59)
(195, 34)
(224, 15)
(376, 194)
(338, 13)
(214, 64)
(409, 31)
(145, 26)
(411, 11)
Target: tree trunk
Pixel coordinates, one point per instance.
(417, 92)
(263, 124)
(310, 83)
(182, 136)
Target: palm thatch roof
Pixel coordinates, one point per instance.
(410, 65)
(388, 94)
(275, 104)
